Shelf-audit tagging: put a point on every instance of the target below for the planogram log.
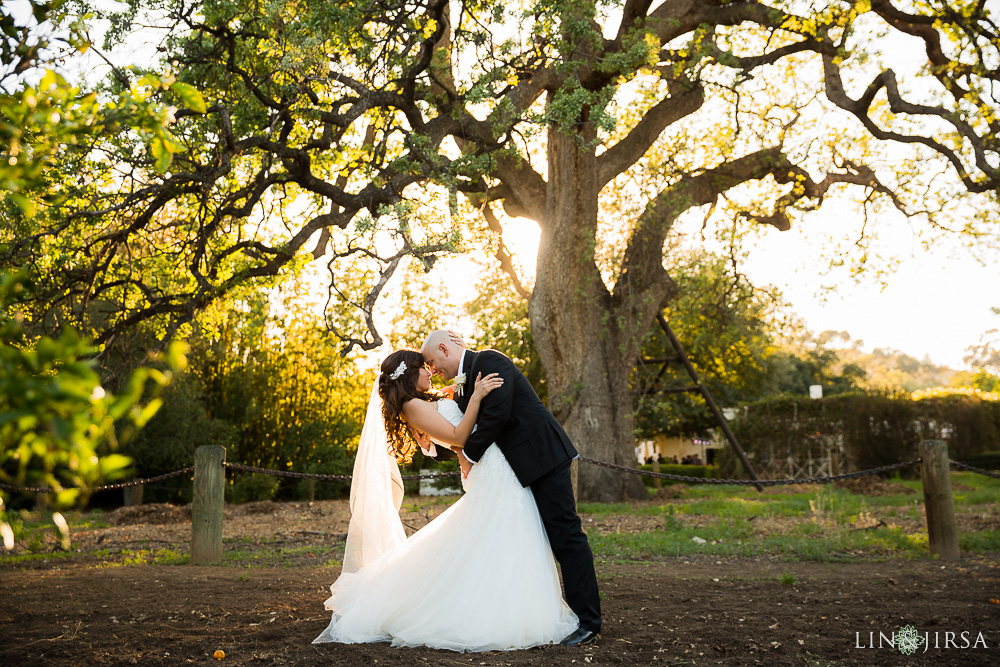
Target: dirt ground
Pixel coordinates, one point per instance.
(91, 609)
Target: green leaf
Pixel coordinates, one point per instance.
(140, 417)
(190, 96)
(67, 497)
(160, 153)
(26, 205)
(113, 466)
(14, 416)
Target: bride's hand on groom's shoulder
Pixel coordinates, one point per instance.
(484, 385)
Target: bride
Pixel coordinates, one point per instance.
(479, 577)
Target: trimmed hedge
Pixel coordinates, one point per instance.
(870, 429)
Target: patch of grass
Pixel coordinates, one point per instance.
(88, 522)
(32, 528)
(809, 529)
(107, 558)
(719, 491)
(241, 557)
(980, 541)
(731, 508)
(171, 557)
(829, 529)
(17, 559)
(138, 557)
(727, 539)
(982, 496)
(283, 556)
(788, 579)
(842, 545)
(807, 541)
(830, 503)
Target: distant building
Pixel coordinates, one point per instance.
(673, 449)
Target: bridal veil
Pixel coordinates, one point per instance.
(376, 494)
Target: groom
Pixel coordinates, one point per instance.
(539, 452)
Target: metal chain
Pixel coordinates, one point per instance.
(285, 473)
(751, 482)
(137, 482)
(31, 489)
(315, 475)
(603, 464)
(966, 466)
(106, 487)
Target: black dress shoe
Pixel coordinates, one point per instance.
(580, 637)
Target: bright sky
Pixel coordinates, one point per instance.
(936, 303)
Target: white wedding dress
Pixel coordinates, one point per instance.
(479, 577)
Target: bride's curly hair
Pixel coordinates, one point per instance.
(395, 392)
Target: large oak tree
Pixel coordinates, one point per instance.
(328, 125)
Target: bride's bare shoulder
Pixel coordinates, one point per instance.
(418, 406)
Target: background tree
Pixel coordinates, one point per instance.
(267, 381)
(984, 357)
(59, 426)
(501, 320)
(795, 373)
(584, 117)
(730, 331)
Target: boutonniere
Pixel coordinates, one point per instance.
(459, 383)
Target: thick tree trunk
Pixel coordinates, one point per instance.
(587, 362)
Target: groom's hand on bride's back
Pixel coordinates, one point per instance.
(465, 463)
(422, 438)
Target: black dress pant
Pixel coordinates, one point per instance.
(554, 496)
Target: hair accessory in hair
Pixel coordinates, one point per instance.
(399, 371)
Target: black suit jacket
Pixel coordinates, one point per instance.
(514, 418)
(442, 453)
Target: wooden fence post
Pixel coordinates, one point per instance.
(942, 532)
(206, 506)
(132, 495)
(657, 482)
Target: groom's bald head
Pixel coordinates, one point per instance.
(435, 338)
(441, 354)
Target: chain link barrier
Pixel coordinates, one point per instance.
(612, 466)
(106, 487)
(320, 476)
(966, 466)
(753, 482)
